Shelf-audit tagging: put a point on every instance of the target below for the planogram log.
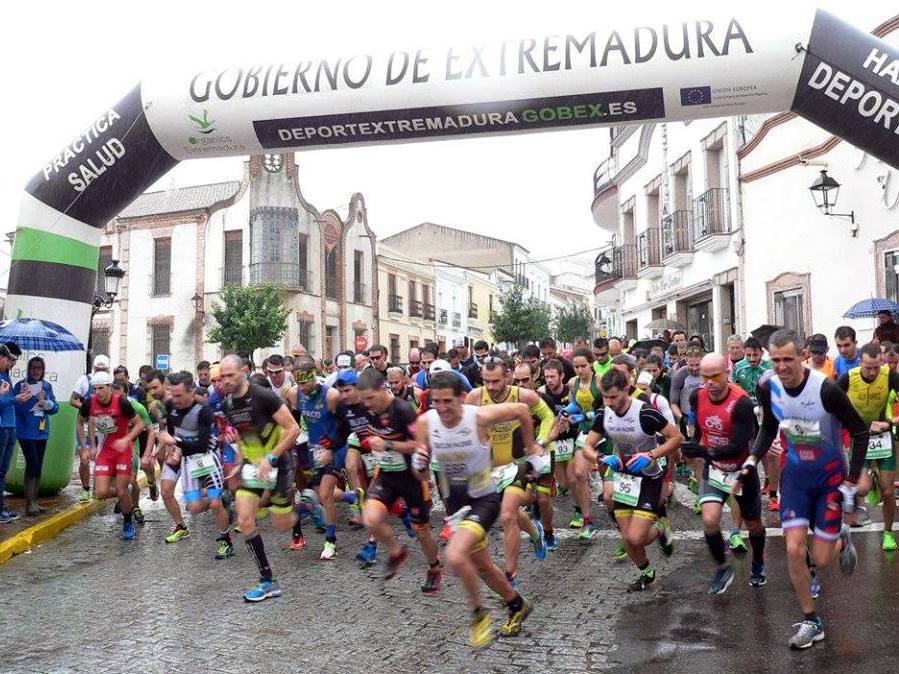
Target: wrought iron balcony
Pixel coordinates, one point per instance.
(472, 310)
(416, 308)
(429, 312)
(711, 213)
(675, 233)
(395, 303)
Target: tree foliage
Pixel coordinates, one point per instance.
(248, 318)
(572, 321)
(521, 320)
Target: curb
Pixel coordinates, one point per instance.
(43, 531)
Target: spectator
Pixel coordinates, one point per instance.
(698, 340)
(679, 337)
(887, 330)
(7, 427)
(34, 403)
(734, 350)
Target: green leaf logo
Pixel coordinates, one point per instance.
(204, 125)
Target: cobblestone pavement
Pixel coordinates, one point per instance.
(91, 602)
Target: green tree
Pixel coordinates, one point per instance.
(521, 320)
(571, 321)
(248, 318)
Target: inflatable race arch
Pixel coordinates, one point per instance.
(741, 62)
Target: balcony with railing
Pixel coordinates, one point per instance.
(457, 319)
(395, 304)
(360, 293)
(416, 309)
(232, 276)
(624, 260)
(430, 312)
(711, 220)
(288, 275)
(677, 246)
(443, 318)
(616, 273)
(472, 310)
(649, 254)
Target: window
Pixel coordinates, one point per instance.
(232, 273)
(891, 274)
(788, 310)
(414, 305)
(303, 257)
(305, 334)
(162, 267)
(102, 263)
(330, 341)
(413, 344)
(331, 274)
(358, 285)
(99, 341)
(160, 341)
(394, 348)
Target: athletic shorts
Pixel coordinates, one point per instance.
(193, 487)
(336, 467)
(888, 464)
(482, 516)
(112, 463)
(810, 496)
(283, 492)
(749, 499)
(389, 487)
(648, 502)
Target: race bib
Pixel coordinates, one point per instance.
(581, 441)
(105, 424)
(319, 456)
(802, 431)
(880, 446)
(626, 488)
(250, 476)
(564, 450)
(371, 462)
(503, 476)
(391, 461)
(725, 481)
(200, 465)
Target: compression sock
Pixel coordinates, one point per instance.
(331, 533)
(225, 535)
(298, 526)
(515, 603)
(257, 549)
(715, 542)
(127, 516)
(757, 541)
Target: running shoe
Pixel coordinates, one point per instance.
(178, 533)
(562, 492)
(432, 581)
(117, 508)
(154, 491)
(539, 541)
(129, 533)
(588, 533)
(694, 485)
(862, 518)
(329, 551)
(394, 563)
(666, 536)
(577, 521)
(225, 549)
(315, 510)
(512, 626)
(737, 544)
(138, 515)
(551, 542)
(8, 516)
(368, 554)
(620, 552)
(697, 506)
(446, 533)
(774, 504)
(873, 498)
(722, 579)
(481, 631)
(407, 522)
(265, 590)
(645, 581)
(758, 575)
(815, 587)
(807, 633)
(84, 495)
(683, 470)
(297, 542)
(513, 579)
(889, 541)
(848, 555)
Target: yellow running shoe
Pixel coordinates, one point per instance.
(512, 627)
(481, 629)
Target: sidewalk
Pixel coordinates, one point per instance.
(63, 510)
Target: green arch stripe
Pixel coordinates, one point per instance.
(41, 246)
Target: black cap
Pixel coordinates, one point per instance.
(817, 345)
(13, 349)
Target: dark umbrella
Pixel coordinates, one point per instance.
(763, 333)
(648, 344)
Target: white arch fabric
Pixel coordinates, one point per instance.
(739, 62)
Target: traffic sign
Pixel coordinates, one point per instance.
(162, 361)
(361, 342)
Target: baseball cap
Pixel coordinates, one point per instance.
(817, 345)
(440, 365)
(645, 379)
(101, 362)
(13, 349)
(343, 360)
(101, 378)
(347, 378)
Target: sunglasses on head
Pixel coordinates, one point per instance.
(304, 378)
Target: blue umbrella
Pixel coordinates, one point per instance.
(870, 308)
(32, 334)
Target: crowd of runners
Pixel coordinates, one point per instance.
(499, 438)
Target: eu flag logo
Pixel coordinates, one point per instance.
(696, 95)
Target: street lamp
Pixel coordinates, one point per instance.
(825, 191)
(112, 277)
(197, 300)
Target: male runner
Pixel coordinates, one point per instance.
(457, 438)
(848, 348)
(266, 433)
(810, 411)
(399, 385)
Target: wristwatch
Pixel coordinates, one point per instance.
(271, 458)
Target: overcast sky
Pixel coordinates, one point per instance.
(64, 63)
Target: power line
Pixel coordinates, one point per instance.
(491, 266)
